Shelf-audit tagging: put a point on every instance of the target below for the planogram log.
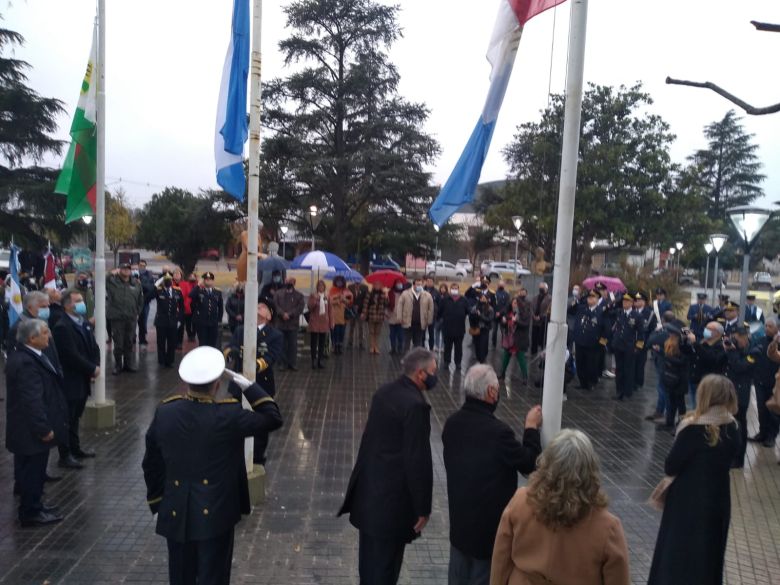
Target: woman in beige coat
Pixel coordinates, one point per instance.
(320, 324)
(558, 530)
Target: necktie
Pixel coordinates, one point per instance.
(48, 362)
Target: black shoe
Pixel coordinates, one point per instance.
(144, 342)
(620, 398)
(40, 519)
(759, 438)
(769, 443)
(320, 365)
(49, 509)
(83, 454)
(313, 364)
(292, 368)
(130, 369)
(52, 478)
(117, 370)
(69, 462)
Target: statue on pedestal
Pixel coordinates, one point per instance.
(540, 265)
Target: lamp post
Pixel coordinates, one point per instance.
(314, 221)
(679, 246)
(717, 242)
(670, 262)
(283, 229)
(435, 252)
(748, 221)
(708, 247)
(87, 219)
(517, 221)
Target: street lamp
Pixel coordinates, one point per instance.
(314, 221)
(717, 242)
(517, 221)
(679, 246)
(670, 261)
(284, 229)
(748, 221)
(436, 251)
(708, 247)
(87, 219)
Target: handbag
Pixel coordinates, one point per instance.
(474, 331)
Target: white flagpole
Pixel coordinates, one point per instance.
(555, 352)
(253, 195)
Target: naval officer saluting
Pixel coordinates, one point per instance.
(194, 466)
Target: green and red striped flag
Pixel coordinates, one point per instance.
(79, 172)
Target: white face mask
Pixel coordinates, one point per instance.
(454, 292)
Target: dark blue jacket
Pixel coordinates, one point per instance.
(698, 317)
(588, 325)
(628, 331)
(170, 306)
(765, 370)
(194, 462)
(79, 356)
(270, 348)
(207, 308)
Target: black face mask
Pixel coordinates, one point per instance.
(431, 380)
(83, 283)
(289, 285)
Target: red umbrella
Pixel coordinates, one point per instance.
(612, 283)
(386, 277)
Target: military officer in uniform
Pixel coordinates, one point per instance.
(207, 309)
(699, 314)
(588, 331)
(742, 360)
(194, 466)
(753, 313)
(650, 324)
(717, 312)
(627, 339)
(730, 319)
(270, 349)
(170, 312)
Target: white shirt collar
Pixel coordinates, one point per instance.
(37, 352)
(260, 327)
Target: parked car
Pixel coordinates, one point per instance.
(466, 264)
(762, 280)
(384, 263)
(444, 269)
(505, 270)
(688, 276)
(210, 254)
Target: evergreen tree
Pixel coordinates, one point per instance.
(340, 135)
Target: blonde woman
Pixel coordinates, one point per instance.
(697, 507)
(558, 529)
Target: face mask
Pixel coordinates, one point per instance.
(430, 381)
(192, 280)
(83, 283)
(418, 289)
(523, 297)
(134, 273)
(289, 285)
(399, 287)
(43, 313)
(501, 287)
(707, 334)
(575, 293)
(277, 279)
(81, 308)
(541, 291)
(454, 292)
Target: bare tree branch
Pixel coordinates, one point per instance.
(765, 26)
(752, 110)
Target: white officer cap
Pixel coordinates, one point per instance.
(202, 365)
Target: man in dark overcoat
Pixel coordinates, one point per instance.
(389, 494)
(194, 466)
(454, 310)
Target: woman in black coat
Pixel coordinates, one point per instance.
(484, 317)
(694, 529)
(523, 321)
(676, 355)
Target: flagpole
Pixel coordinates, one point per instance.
(253, 195)
(555, 352)
(100, 412)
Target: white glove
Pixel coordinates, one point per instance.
(239, 380)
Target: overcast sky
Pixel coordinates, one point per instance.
(165, 58)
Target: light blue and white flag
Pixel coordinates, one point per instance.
(14, 297)
(502, 50)
(232, 123)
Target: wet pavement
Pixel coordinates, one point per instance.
(294, 537)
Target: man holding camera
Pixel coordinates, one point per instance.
(742, 360)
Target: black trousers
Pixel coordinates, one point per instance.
(290, 347)
(142, 319)
(167, 339)
(431, 336)
(317, 342)
(201, 562)
(379, 560)
(449, 343)
(587, 360)
(537, 336)
(743, 402)
(768, 423)
(30, 476)
(414, 335)
(641, 360)
(625, 373)
(75, 412)
(675, 403)
(208, 335)
(481, 345)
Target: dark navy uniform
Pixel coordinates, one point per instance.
(627, 339)
(741, 365)
(196, 477)
(207, 309)
(753, 313)
(650, 322)
(170, 312)
(587, 334)
(764, 381)
(270, 349)
(698, 317)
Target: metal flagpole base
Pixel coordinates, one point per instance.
(256, 477)
(100, 416)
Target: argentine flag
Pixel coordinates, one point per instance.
(232, 124)
(14, 290)
(462, 183)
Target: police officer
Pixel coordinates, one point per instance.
(170, 312)
(588, 330)
(627, 338)
(753, 313)
(699, 314)
(742, 360)
(661, 302)
(730, 320)
(207, 309)
(194, 466)
(650, 325)
(608, 308)
(270, 349)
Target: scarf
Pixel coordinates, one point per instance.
(322, 303)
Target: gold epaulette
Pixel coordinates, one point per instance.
(227, 401)
(171, 398)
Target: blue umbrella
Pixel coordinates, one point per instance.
(321, 260)
(349, 275)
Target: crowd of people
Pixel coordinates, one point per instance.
(513, 535)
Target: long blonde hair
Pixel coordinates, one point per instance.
(566, 485)
(714, 390)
